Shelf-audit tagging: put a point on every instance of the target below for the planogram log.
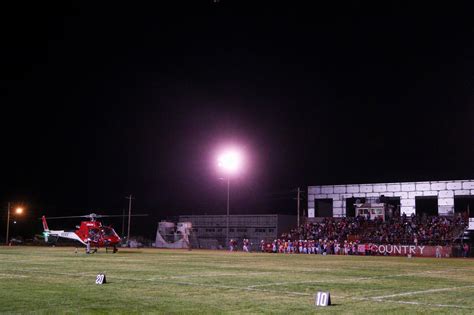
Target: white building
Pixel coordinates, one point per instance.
(334, 198)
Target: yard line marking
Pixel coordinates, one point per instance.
(80, 274)
(420, 292)
(215, 275)
(240, 288)
(428, 304)
(6, 275)
(40, 273)
(284, 283)
(415, 303)
(336, 280)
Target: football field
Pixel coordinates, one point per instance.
(58, 280)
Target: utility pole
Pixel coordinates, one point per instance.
(129, 216)
(298, 207)
(8, 223)
(123, 222)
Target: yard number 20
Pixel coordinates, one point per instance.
(100, 278)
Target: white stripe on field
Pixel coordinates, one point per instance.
(415, 303)
(337, 280)
(215, 275)
(239, 288)
(6, 275)
(38, 271)
(420, 292)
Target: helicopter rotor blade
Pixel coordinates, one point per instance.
(120, 215)
(68, 217)
(97, 216)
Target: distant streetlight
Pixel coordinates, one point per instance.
(230, 163)
(18, 210)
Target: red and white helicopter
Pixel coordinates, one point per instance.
(90, 233)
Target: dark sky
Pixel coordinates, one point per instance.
(102, 101)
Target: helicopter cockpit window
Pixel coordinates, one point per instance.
(93, 231)
(108, 231)
(94, 234)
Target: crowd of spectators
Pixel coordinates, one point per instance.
(417, 230)
(341, 233)
(323, 247)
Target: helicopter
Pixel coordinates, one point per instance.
(89, 233)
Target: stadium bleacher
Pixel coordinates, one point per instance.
(343, 235)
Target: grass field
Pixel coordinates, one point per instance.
(57, 280)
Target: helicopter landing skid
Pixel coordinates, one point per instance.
(114, 249)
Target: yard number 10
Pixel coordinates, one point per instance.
(323, 299)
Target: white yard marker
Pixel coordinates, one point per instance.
(414, 303)
(8, 276)
(333, 280)
(420, 292)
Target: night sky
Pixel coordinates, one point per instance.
(102, 101)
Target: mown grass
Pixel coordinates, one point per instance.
(44, 280)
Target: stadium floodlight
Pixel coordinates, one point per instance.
(230, 163)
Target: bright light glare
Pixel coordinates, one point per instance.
(19, 210)
(230, 161)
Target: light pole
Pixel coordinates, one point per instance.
(8, 223)
(228, 212)
(17, 211)
(230, 163)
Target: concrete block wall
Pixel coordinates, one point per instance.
(407, 191)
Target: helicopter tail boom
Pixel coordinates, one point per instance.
(58, 233)
(45, 224)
